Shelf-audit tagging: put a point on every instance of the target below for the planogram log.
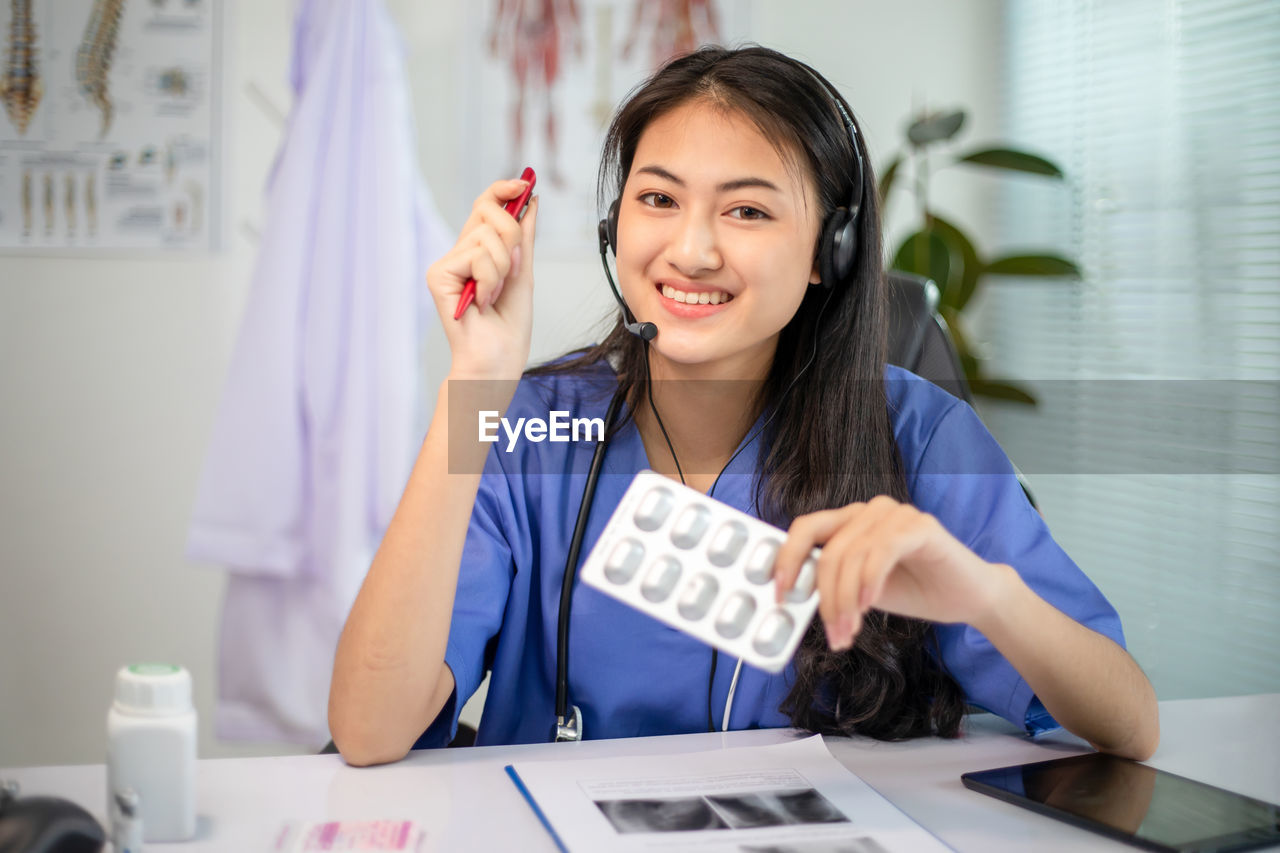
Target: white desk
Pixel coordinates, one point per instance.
(465, 801)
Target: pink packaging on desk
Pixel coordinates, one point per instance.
(366, 835)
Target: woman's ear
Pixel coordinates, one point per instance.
(815, 277)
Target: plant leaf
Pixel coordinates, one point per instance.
(1002, 391)
(886, 182)
(1042, 265)
(935, 127)
(1012, 160)
(966, 268)
(925, 253)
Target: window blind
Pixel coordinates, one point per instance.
(1155, 448)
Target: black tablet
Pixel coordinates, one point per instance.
(1135, 803)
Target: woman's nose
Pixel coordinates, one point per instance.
(694, 248)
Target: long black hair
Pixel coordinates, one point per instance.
(831, 440)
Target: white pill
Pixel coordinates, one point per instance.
(661, 579)
(623, 560)
(735, 615)
(759, 568)
(654, 509)
(697, 596)
(804, 581)
(727, 543)
(690, 527)
(774, 631)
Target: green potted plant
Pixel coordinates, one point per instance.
(940, 250)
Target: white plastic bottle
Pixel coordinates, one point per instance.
(151, 748)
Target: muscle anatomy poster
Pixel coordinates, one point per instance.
(109, 124)
(547, 75)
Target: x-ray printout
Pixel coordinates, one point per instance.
(791, 797)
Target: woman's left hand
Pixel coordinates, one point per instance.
(890, 556)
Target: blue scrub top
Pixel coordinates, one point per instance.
(632, 675)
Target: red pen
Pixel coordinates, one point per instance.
(516, 208)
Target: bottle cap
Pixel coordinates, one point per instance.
(153, 688)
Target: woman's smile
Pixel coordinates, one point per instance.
(683, 299)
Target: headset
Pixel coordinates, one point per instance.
(837, 246)
(837, 254)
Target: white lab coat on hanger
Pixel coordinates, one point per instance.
(319, 422)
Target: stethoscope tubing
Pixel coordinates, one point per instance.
(571, 563)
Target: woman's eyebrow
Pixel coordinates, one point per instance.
(727, 186)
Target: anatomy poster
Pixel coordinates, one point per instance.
(550, 74)
(109, 114)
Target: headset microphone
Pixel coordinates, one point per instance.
(643, 331)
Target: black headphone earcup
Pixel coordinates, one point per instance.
(845, 251)
(607, 230)
(835, 235)
(612, 221)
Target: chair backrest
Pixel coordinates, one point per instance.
(919, 339)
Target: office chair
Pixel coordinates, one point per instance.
(920, 341)
(919, 338)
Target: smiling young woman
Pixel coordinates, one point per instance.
(711, 207)
(733, 181)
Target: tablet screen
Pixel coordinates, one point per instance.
(1130, 799)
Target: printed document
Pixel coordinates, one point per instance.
(792, 797)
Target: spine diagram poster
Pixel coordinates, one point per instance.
(109, 124)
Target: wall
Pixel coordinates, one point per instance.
(110, 368)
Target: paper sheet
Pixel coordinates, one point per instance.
(785, 797)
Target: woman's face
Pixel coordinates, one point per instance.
(715, 240)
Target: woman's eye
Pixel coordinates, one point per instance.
(746, 212)
(657, 200)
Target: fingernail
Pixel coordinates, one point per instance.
(864, 600)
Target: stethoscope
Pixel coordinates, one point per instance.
(571, 729)
(569, 717)
(838, 258)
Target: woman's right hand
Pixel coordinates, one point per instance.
(491, 339)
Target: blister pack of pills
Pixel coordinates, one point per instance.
(704, 568)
